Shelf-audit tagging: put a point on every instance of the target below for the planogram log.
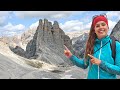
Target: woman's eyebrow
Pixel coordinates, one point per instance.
(97, 24)
(101, 23)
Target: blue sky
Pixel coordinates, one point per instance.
(17, 22)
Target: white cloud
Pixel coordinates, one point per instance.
(34, 25)
(43, 14)
(2, 21)
(110, 14)
(87, 26)
(10, 29)
(3, 17)
(74, 25)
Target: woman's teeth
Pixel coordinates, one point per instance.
(101, 31)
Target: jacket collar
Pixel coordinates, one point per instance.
(104, 39)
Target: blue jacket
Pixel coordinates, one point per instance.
(107, 69)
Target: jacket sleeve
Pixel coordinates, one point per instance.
(111, 68)
(78, 62)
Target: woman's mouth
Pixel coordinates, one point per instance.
(101, 31)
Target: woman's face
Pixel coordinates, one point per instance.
(101, 29)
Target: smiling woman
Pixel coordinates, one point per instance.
(98, 53)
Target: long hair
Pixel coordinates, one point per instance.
(90, 43)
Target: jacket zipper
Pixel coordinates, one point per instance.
(99, 59)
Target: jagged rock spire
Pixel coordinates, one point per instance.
(47, 44)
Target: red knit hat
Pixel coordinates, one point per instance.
(99, 18)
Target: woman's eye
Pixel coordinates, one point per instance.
(97, 25)
(103, 24)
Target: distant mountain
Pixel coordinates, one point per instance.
(79, 44)
(75, 34)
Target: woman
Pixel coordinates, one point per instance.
(98, 54)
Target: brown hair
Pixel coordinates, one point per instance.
(90, 42)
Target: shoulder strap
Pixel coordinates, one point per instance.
(113, 47)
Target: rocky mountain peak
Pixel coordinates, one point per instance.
(47, 44)
(116, 31)
(55, 25)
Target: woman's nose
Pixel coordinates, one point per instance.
(101, 26)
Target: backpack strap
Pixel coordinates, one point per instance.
(113, 47)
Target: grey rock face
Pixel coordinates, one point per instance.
(30, 49)
(18, 50)
(12, 70)
(48, 44)
(116, 31)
